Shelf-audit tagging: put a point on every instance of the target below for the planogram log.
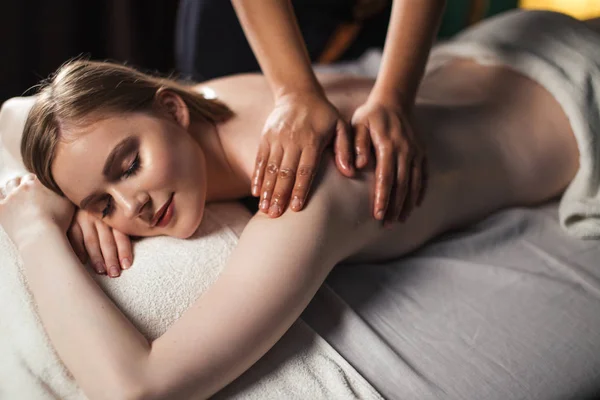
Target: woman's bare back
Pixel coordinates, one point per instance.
(494, 139)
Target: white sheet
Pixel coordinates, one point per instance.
(507, 309)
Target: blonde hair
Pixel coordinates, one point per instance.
(82, 92)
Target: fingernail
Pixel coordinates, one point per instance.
(126, 263)
(275, 210)
(379, 214)
(361, 160)
(114, 272)
(100, 267)
(264, 205)
(255, 191)
(296, 203)
(346, 165)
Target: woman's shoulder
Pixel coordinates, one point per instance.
(248, 95)
(239, 84)
(256, 84)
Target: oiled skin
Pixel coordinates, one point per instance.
(493, 137)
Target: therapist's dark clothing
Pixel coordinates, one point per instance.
(211, 43)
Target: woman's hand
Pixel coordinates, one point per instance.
(295, 134)
(108, 250)
(401, 168)
(26, 205)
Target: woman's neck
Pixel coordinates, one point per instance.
(225, 178)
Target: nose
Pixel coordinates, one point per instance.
(132, 204)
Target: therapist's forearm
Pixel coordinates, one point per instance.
(413, 27)
(97, 343)
(273, 33)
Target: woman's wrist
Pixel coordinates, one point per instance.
(29, 238)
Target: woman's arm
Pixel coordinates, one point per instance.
(270, 278)
(97, 343)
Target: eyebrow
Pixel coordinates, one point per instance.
(121, 149)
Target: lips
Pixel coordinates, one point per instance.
(161, 212)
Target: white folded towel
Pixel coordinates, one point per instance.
(167, 276)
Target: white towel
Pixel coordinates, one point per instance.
(167, 276)
(563, 55)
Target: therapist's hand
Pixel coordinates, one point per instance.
(385, 125)
(109, 251)
(295, 135)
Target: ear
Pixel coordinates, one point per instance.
(173, 105)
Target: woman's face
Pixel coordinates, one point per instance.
(143, 175)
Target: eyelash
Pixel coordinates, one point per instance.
(132, 170)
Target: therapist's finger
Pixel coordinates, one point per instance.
(309, 162)
(362, 144)
(285, 182)
(344, 157)
(384, 181)
(260, 166)
(271, 173)
(403, 192)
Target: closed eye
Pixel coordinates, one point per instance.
(132, 170)
(108, 209)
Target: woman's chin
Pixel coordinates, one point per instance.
(189, 231)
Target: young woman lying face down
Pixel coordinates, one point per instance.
(145, 156)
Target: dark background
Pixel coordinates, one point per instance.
(37, 36)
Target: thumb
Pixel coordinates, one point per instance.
(344, 157)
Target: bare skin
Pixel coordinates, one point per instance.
(483, 136)
(303, 121)
(494, 139)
